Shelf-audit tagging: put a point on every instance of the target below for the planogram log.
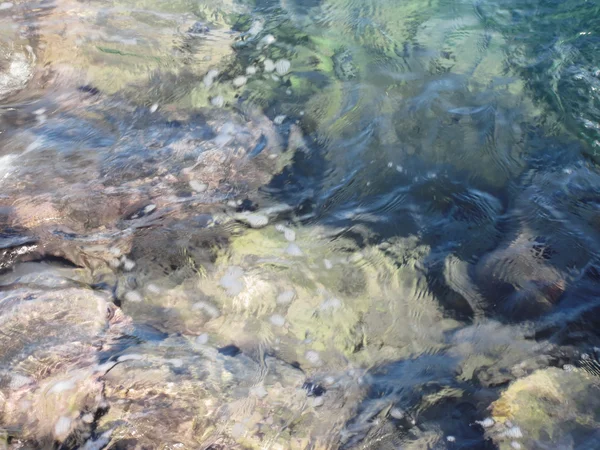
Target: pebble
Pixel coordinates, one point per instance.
(397, 413)
(515, 445)
(289, 234)
(486, 423)
(39, 112)
(87, 418)
(62, 427)
(148, 208)
(202, 339)
(197, 186)
(328, 265)
(317, 401)
(513, 432)
(153, 289)
(232, 281)
(217, 101)
(133, 296)
(268, 39)
(128, 264)
(293, 250)
(288, 91)
(254, 220)
(210, 76)
(269, 65)
(154, 108)
(114, 263)
(115, 251)
(62, 386)
(312, 357)
(238, 430)
(259, 391)
(240, 81)
(250, 70)
(279, 119)
(6, 5)
(285, 297)
(283, 66)
(277, 320)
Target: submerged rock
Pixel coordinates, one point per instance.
(549, 408)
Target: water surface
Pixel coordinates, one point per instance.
(299, 224)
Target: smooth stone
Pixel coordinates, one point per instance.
(133, 296)
(202, 339)
(279, 119)
(6, 5)
(283, 66)
(290, 235)
(486, 423)
(62, 386)
(269, 65)
(217, 101)
(268, 39)
(232, 281)
(62, 427)
(318, 401)
(128, 264)
(154, 108)
(210, 76)
(259, 391)
(285, 297)
(293, 250)
(277, 320)
(250, 70)
(513, 433)
(198, 186)
(253, 219)
(397, 413)
(313, 357)
(239, 81)
(153, 289)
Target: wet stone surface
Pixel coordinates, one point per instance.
(293, 225)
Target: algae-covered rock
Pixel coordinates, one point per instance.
(552, 408)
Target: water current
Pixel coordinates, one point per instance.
(300, 224)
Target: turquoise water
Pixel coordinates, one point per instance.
(299, 224)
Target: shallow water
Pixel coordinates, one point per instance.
(303, 224)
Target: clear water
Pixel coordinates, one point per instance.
(299, 224)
